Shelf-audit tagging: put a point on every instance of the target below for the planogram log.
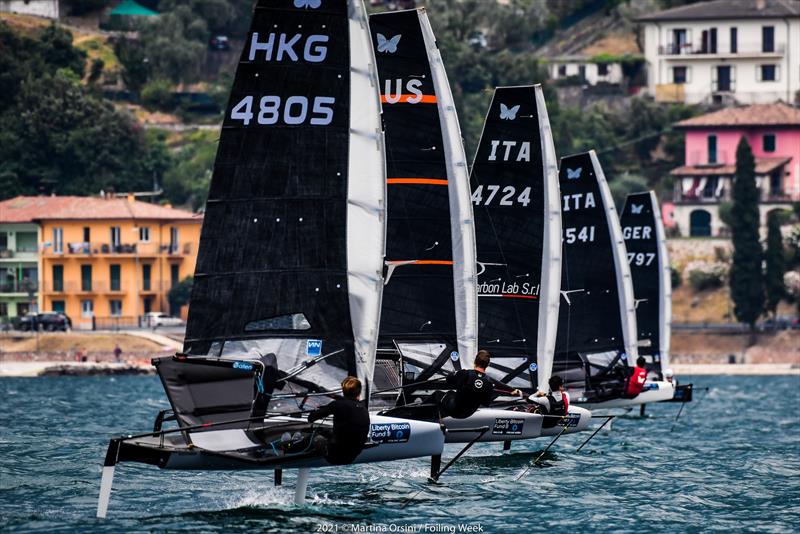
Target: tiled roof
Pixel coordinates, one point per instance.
(29, 209)
(728, 9)
(777, 114)
(763, 166)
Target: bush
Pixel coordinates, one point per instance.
(675, 277)
(157, 94)
(705, 275)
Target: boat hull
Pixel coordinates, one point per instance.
(509, 425)
(656, 392)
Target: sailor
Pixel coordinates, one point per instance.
(472, 389)
(554, 403)
(350, 425)
(637, 379)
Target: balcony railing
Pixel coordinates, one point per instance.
(697, 49)
(131, 249)
(105, 287)
(18, 286)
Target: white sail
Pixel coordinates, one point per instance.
(465, 262)
(366, 195)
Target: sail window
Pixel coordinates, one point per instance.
(291, 321)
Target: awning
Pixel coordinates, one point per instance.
(131, 8)
(763, 166)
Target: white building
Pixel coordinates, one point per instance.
(723, 51)
(584, 70)
(39, 8)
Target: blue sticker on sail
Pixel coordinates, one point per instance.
(623, 356)
(508, 426)
(390, 432)
(533, 366)
(244, 366)
(454, 356)
(313, 347)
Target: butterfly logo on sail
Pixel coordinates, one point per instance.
(574, 174)
(637, 209)
(388, 46)
(507, 113)
(313, 4)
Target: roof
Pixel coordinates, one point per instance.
(763, 166)
(775, 114)
(30, 209)
(131, 8)
(728, 9)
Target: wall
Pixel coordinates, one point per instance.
(592, 76)
(40, 8)
(14, 296)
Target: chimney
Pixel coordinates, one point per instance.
(131, 198)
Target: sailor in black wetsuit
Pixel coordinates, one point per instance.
(350, 425)
(473, 389)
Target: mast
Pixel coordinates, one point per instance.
(665, 284)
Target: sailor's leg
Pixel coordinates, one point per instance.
(507, 445)
(107, 478)
(302, 485)
(278, 477)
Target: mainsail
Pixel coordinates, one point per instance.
(430, 297)
(597, 321)
(646, 245)
(291, 249)
(518, 229)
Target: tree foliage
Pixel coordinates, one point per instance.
(747, 278)
(775, 260)
(180, 294)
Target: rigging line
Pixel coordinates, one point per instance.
(674, 423)
(536, 461)
(608, 418)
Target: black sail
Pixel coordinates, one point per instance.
(513, 215)
(595, 317)
(423, 300)
(272, 266)
(644, 241)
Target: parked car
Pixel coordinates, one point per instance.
(219, 42)
(781, 322)
(156, 319)
(50, 321)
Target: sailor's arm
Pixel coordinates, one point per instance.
(321, 412)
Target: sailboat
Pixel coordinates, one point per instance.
(646, 245)
(288, 284)
(597, 338)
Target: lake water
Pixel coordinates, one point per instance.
(732, 463)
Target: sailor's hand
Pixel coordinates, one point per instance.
(541, 394)
(518, 393)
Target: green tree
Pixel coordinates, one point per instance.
(775, 261)
(180, 294)
(747, 277)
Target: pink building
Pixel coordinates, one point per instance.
(773, 131)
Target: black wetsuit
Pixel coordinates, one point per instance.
(350, 429)
(473, 389)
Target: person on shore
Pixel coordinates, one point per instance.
(637, 379)
(553, 403)
(473, 389)
(350, 425)
(117, 354)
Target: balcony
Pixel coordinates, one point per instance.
(18, 286)
(687, 51)
(86, 249)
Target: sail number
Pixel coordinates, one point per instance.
(641, 258)
(292, 111)
(507, 197)
(584, 234)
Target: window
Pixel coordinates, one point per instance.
(769, 142)
(115, 306)
(3, 309)
(722, 78)
(27, 242)
(59, 306)
(116, 240)
(734, 40)
(562, 70)
(115, 277)
(679, 74)
(58, 240)
(582, 72)
(174, 274)
(87, 308)
(602, 69)
(712, 149)
(148, 305)
(144, 234)
(3, 241)
(768, 73)
(679, 40)
(173, 239)
(147, 270)
(86, 277)
(58, 278)
(768, 38)
(87, 234)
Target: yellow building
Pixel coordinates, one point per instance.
(108, 261)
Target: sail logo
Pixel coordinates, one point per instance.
(454, 356)
(313, 347)
(314, 49)
(508, 426)
(637, 232)
(574, 174)
(306, 4)
(578, 201)
(507, 113)
(637, 208)
(411, 93)
(505, 289)
(243, 366)
(533, 367)
(388, 46)
(390, 432)
(520, 153)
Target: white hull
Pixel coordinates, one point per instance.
(508, 425)
(660, 391)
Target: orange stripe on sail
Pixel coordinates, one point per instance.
(404, 99)
(426, 181)
(421, 262)
(519, 296)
